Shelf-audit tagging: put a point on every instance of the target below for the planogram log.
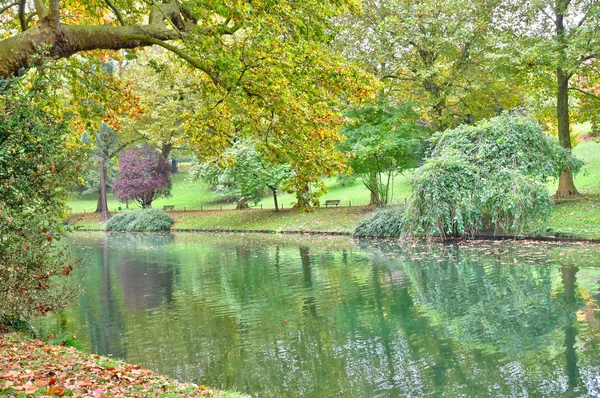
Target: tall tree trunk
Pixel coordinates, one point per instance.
(566, 185)
(275, 199)
(104, 215)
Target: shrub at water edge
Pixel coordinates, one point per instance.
(382, 223)
(140, 221)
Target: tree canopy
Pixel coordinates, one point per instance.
(144, 175)
(384, 140)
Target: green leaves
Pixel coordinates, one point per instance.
(488, 177)
(382, 140)
(39, 162)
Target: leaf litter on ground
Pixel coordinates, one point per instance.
(34, 368)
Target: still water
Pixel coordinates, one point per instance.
(278, 316)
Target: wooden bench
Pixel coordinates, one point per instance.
(168, 207)
(331, 203)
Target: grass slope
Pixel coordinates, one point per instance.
(578, 217)
(342, 219)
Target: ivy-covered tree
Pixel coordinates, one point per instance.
(488, 177)
(245, 174)
(144, 175)
(382, 141)
(39, 162)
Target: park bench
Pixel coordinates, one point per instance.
(168, 207)
(331, 203)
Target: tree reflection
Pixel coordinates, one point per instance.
(298, 318)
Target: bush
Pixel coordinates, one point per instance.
(140, 221)
(382, 223)
(39, 162)
(491, 176)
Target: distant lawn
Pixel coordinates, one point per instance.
(197, 194)
(578, 217)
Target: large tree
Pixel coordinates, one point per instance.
(552, 45)
(265, 68)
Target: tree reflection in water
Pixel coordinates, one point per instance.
(285, 316)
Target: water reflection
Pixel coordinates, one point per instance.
(297, 316)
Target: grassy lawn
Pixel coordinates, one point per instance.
(578, 217)
(193, 195)
(342, 219)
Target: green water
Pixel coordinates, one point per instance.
(277, 316)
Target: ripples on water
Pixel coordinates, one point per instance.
(329, 317)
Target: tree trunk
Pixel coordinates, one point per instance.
(165, 150)
(375, 200)
(147, 200)
(275, 198)
(242, 204)
(566, 186)
(99, 201)
(372, 186)
(303, 198)
(104, 215)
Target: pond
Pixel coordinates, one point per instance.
(273, 316)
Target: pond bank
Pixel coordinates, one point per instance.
(330, 220)
(32, 367)
(576, 219)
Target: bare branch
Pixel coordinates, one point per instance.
(597, 97)
(114, 9)
(546, 14)
(3, 9)
(22, 19)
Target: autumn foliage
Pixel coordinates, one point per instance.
(144, 175)
(35, 368)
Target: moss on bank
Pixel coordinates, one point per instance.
(34, 368)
